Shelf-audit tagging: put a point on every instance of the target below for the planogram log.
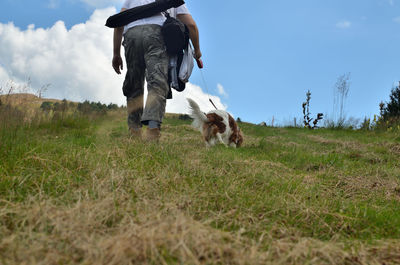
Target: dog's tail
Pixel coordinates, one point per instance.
(199, 117)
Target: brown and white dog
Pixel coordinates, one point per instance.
(217, 125)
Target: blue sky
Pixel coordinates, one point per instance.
(267, 54)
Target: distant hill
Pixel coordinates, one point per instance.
(25, 99)
(32, 101)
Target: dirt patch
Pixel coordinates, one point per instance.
(355, 146)
(365, 185)
(395, 149)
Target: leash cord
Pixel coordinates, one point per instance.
(205, 84)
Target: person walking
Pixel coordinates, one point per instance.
(147, 59)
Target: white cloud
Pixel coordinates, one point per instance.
(397, 20)
(221, 90)
(344, 24)
(3, 76)
(179, 103)
(76, 62)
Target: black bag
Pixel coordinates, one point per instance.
(176, 39)
(181, 85)
(133, 14)
(175, 34)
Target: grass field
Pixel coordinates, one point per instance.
(79, 191)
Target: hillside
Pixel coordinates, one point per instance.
(79, 191)
(25, 99)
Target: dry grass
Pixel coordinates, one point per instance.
(98, 232)
(90, 195)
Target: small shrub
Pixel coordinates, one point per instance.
(366, 124)
(64, 105)
(57, 107)
(112, 106)
(92, 108)
(46, 106)
(84, 107)
(306, 113)
(391, 110)
(389, 118)
(185, 117)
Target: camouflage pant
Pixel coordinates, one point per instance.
(146, 57)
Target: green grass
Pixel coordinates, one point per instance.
(79, 191)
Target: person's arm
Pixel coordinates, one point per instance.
(188, 20)
(117, 40)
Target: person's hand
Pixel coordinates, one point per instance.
(197, 54)
(117, 64)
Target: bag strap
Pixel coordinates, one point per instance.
(166, 14)
(172, 14)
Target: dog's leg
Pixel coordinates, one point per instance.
(212, 142)
(207, 135)
(221, 140)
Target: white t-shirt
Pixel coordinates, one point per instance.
(157, 19)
